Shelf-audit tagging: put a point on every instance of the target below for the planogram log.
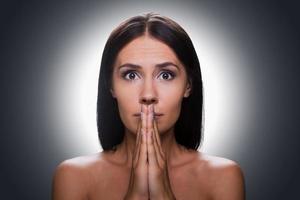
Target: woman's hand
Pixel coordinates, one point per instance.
(138, 184)
(149, 174)
(159, 184)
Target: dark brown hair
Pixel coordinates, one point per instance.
(188, 128)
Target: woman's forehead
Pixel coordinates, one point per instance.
(146, 50)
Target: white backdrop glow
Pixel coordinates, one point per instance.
(224, 70)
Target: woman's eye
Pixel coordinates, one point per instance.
(129, 75)
(167, 74)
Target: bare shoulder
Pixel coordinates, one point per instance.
(73, 177)
(225, 177)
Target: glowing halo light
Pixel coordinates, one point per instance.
(75, 81)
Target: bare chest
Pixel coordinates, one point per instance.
(184, 186)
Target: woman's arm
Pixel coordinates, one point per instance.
(69, 182)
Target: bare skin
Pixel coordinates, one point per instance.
(99, 176)
(168, 169)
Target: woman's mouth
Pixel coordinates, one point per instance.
(155, 114)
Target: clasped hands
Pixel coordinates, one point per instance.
(149, 174)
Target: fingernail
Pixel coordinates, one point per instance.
(153, 112)
(152, 115)
(151, 108)
(142, 115)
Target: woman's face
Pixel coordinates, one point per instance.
(147, 71)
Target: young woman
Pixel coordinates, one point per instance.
(149, 124)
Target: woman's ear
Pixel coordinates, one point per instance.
(112, 93)
(187, 91)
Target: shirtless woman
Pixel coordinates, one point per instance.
(151, 72)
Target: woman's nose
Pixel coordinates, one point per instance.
(148, 100)
(148, 95)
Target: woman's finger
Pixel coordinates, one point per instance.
(152, 157)
(159, 155)
(143, 150)
(144, 118)
(156, 129)
(138, 144)
(151, 151)
(138, 134)
(153, 139)
(157, 138)
(138, 183)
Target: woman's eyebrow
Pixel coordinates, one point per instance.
(160, 65)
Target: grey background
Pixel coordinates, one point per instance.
(33, 31)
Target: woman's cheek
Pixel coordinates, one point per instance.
(128, 105)
(171, 108)
(176, 107)
(127, 119)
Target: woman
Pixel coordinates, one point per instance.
(149, 123)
